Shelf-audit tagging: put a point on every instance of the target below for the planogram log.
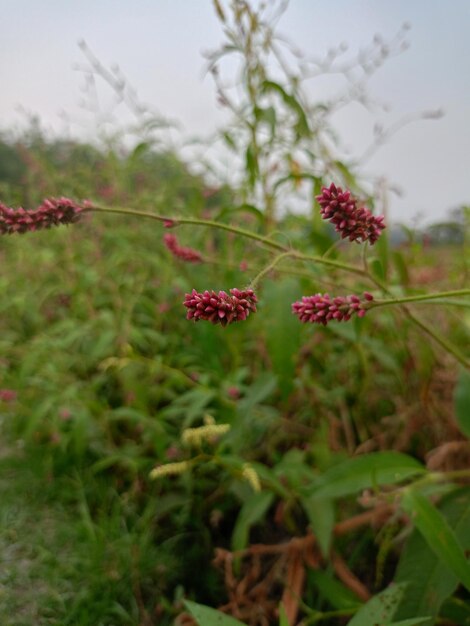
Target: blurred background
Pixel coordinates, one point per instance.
(159, 48)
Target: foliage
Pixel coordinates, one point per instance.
(339, 477)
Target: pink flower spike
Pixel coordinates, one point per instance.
(220, 308)
(52, 212)
(181, 252)
(320, 309)
(353, 223)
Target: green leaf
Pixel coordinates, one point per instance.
(252, 511)
(410, 622)
(347, 174)
(283, 621)
(205, 616)
(242, 208)
(261, 389)
(380, 609)
(321, 515)
(294, 178)
(377, 269)
(141, 149)
(456, 611)
(252, 168)
(364, 472)
(438, 534)
(382, 249)
(279, 325)
(229, 140)
(267, 115)
(429, 581)
(402, 267)
(334, 592)
(301, 127)
(462, 402)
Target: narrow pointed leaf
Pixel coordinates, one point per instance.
(252, 511)
(364, 472)
(379, 609)
(206, 616)
(438, 534)
(430, 582)
(462, 402)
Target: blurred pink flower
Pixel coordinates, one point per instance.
(173, 452)
(355, 224)
(7, 395)
(233, 392)
(182, 252)
(52, 212)
(65, 414)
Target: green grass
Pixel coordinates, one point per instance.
(58, 565)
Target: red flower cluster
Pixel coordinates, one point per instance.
(52, 212)
(220, 308)
(182, 252)
(355, 224)
(320, 308)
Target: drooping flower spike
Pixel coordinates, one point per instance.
(220, 308)
(321, 308)
(52, 212)
(353, 223)
(182, 252)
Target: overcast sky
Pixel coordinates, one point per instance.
(158, 45)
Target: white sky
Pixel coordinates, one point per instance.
(158, 45)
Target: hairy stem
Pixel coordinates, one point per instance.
(254, 283)
(421, 298)
(448, 347)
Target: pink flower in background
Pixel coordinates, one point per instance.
(355, 224)
(52, 212)
(182, 252)
(233, 392)
(7, 395)
(320, 308)
(65, 415)
(173, 452)
(220, 308)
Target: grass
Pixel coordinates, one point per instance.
(58, 566)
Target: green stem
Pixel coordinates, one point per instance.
(422, 297)
(448, 347)
(319, 617)
(304, 257)
(267, 269)
(333, 246)
(431, 478)
(194, 221)
(365, 263)
(331, 263)
(232, 229)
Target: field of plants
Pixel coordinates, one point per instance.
(215, 411)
